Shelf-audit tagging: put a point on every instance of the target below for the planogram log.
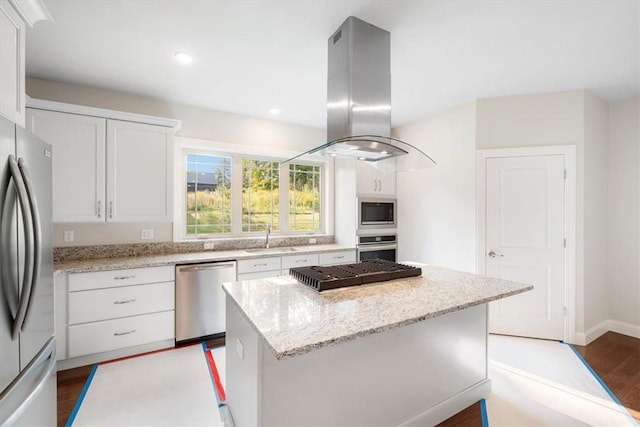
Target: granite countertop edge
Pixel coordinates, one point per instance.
(103, 264)
(285, 354)
(307, 348)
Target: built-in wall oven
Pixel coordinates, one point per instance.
(384, 246)
(376, 213)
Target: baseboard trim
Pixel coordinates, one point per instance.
(453, 405)
(629, 329)
(624, 328)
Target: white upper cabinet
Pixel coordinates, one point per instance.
(78, 163)
(104, 169)
(12, 57)
(139, 172)
(371, 180)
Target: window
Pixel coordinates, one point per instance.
(304, 197)
(208, 194)
(234, 195)
(260, 195)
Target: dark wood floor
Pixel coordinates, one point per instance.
(614, 357)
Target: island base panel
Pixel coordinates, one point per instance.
(418, 374)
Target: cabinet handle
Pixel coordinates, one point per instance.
(119, 334)
(258, 265)
(133, 276)
(110, 209)
(99, 208)
(338, 257)
(375, 185)
(125, 301)
(302, 260)
(379, 185)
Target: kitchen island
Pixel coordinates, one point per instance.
(404, 352)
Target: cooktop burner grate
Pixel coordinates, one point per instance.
(322, 278)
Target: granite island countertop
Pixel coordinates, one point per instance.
(294, 319)
(101, 264)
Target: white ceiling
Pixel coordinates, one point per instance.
(253, 55)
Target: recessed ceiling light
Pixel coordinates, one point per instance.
(183, 58)
(274, 111)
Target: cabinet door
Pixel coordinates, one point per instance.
(373, 180)
(78, 163)
(12, 71)
(139, 172)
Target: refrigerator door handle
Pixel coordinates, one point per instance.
(37, 237)
(48, 351)
(23, 200)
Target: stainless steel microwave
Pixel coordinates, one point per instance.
(376, 213)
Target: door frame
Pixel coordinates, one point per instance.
(569, 153)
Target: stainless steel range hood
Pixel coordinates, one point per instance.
(359, 100)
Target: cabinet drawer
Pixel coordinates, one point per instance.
(299, 261)
(111, 303)
(110, 335)
(258, 275)
(341, 257)
(113, 278)
(258, 264)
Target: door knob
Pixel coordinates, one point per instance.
(494, 254)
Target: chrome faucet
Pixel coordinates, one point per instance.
(267, 235)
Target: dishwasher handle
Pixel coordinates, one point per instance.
(216, 266)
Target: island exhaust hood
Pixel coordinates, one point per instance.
(359, 101)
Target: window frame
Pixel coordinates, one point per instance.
(326, 195)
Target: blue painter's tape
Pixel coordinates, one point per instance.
(604, 386)
(483, 412)
(85, 389)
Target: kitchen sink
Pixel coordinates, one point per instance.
(269, 250)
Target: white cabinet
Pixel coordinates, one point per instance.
(258, 268)
(347, 256)
(113, 310)
(375, 180)
(12, 59)
(139, 172)
(79, 158)
(107, 170)
(292, 261)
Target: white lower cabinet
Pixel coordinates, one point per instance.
(292, 261)
(113, 313)
(97, 337)
(112, 303)
(339, 257)
(258, 268)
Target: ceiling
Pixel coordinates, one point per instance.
(251, 56)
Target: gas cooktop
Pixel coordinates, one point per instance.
(322, 278)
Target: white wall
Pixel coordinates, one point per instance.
(436, 212)
(437, 223)
(623, 261)
(530, 120)
(594, 212)
(197, 123)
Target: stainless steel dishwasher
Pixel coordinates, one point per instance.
(200, 300)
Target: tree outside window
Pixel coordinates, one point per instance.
(304, 197)
(260, 195)
(208, 194)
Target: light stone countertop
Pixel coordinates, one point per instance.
(100, 264)
(294, 319)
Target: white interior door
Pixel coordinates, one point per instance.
(525, 242)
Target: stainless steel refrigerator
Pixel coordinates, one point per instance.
(27, 340)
